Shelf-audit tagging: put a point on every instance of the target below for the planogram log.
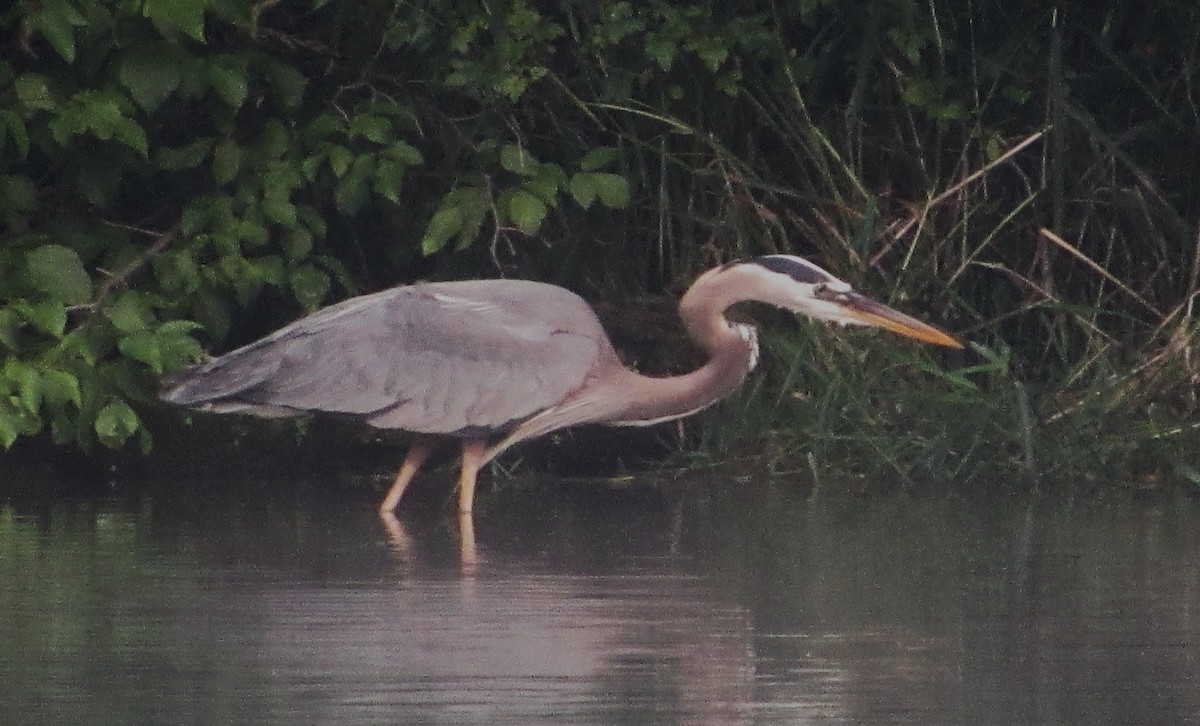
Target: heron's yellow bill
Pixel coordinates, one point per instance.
(868, 312)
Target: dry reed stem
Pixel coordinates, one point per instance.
(1095, 266)
(907, 224)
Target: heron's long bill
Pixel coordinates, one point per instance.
(869, 312)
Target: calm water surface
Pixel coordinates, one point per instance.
(216, 602)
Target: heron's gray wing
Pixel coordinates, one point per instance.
(468, 358)
(218, 384)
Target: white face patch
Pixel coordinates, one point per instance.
(838, 286)
(750, 335)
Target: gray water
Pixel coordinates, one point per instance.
(204, 602)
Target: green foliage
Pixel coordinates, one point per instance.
(179, 175)
(115, 115)
(58, 273)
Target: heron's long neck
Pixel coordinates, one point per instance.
(731, 354)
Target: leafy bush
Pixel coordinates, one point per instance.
(179, 174)
(165, 163)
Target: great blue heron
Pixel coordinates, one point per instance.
(495, 362)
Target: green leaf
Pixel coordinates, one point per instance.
(150, 73)
(712, 53)
(339, 160)
(57, 271)
(33, 90)
(268, 269)
(275, 140)
(517, 160)
(178, 351)
(597, 158)
(351, 194)
(252, 233)
(115, 423)
(9, 322)
(310, 286)
(229, 82)
(238, 272)
(297, 242)
(324, 126)
(12, 126)
(128, 132)
(311, 166)
(227, 160)
(353, 188)
(178, 327)
(49, 316)
(405, 153)
(130, 313)
(337, 271)
(102, 114)
(279, 211)
(8, 429)
(143, 347)
(584, 189)
(60, 388)
(186, 16)
(90, 343)
(17, 132)
(445, 223)
(525, 210)
(212, 312)
(460, 214)
(280, 180)
(513, 86)
(388, 178)
(311, 219)
(546, 182)
(184, 157)
(375, 128)
(28, 384)
(57, 20)
(287, 84)
(613, 190)
(194, 217)
(662, 50)
(62, 429)
(177, 271)
(474, 209)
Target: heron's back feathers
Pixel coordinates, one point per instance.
(470, 358)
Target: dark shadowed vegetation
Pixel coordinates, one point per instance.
(185, 175)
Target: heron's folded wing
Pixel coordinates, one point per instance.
(468, 358)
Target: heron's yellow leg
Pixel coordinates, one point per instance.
(397, 535)
(418, 452)
(467, 552)
(472, 456)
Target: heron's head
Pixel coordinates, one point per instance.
(796, 284)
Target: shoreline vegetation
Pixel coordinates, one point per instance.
(183, 177)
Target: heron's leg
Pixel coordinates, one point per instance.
(472, 456)
(398, 536)
(418, 452)
(467, 553)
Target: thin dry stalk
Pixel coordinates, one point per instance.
(901, 228)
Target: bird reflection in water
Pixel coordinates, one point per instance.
(401, 540)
